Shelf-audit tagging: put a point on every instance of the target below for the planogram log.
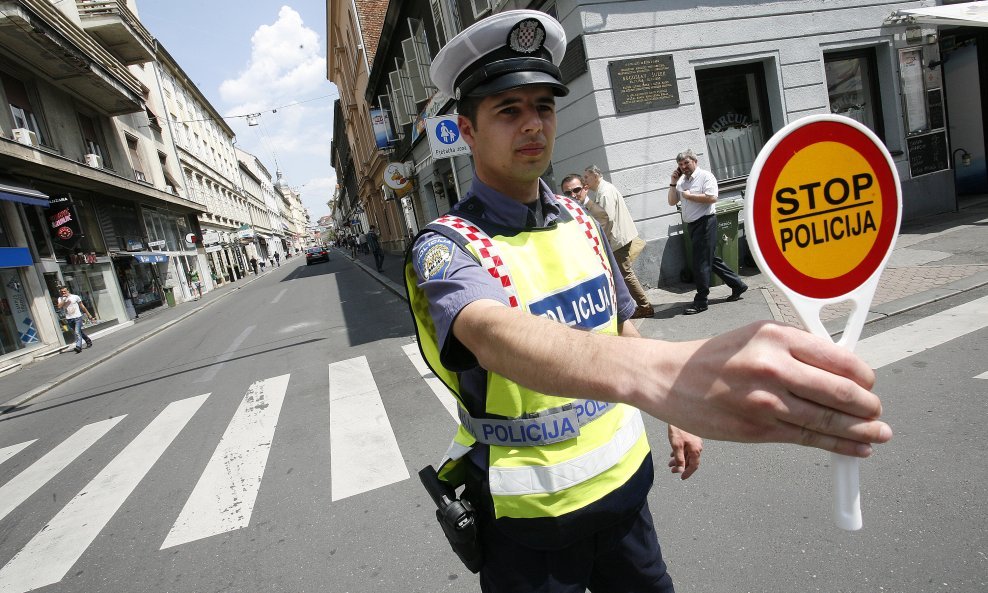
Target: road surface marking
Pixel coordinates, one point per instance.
(214, 368)
(37, 475)
(278, 297)
(982, 376)
(365, 453)
(49, 556)
(437, 387)
(8, 452)
(915, 337)
(224, 497)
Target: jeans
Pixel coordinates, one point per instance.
(80, 335)
(703, 236)
(379, 259)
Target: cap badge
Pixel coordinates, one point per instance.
(526, 36)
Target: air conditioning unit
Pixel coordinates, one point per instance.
(25, 136)
(94, 160)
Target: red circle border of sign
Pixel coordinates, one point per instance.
(812, 133)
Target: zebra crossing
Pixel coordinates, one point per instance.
(365, 454)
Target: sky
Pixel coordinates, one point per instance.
(267, 57)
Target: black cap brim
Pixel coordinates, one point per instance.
(513, 80)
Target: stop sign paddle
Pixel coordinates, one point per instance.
(822, 210)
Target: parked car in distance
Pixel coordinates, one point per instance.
(316, 254)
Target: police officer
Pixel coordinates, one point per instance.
(520, 312)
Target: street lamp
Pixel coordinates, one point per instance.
(965, 157)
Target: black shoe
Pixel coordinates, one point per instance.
(89, 344)
(77, 349)
(695, 309)
(736, 293)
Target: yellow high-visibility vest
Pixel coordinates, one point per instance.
(561, 272)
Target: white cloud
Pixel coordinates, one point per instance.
(287, 66)
(285, 62)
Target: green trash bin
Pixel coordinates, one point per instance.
(727, 239)
(170, 296)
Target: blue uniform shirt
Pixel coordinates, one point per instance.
(454, 282)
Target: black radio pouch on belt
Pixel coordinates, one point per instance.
(457, 518)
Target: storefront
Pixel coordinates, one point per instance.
(139, 275)
(19, 329)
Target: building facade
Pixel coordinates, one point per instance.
(87, 175)
(649, 79)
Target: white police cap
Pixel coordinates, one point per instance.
(504, 51)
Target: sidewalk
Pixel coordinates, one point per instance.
(31, 380)
(934, 257)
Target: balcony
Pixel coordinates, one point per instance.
(40, 37)
(117, 29)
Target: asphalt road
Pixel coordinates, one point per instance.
(271, 444)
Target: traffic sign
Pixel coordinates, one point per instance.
(444, 137)
(822, 210)
(825, 206)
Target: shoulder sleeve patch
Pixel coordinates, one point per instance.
(434, 257)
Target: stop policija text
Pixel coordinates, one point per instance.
(837, 198)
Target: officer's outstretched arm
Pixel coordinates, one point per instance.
(764, 382)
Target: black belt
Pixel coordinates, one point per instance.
(701, 219)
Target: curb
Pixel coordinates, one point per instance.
(45, 387)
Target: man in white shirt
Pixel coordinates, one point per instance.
(74, 309)
(697, 190)
(622, 235)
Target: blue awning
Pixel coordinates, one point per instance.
(15, 257)
(146, 257)
(15, 192)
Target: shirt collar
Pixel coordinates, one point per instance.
(504, 211)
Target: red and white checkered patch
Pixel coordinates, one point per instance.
(581, 217)
(490, 258)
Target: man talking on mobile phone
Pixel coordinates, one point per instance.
(696, 189)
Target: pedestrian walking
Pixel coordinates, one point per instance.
(253, 264)
(74, 310)
(374, 244)
(515, 290)
(623, 235)
(195, 285)
(277, 258)
(696, 190)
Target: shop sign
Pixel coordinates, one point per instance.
(445, 138)
(20, 311)
(63, 222)
(213, 248)
(397, 178)
(245, 232)
(381, 122)
(210, 237)
(154, 244)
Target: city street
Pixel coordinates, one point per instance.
(272, 444)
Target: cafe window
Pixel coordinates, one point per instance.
(21, 106)
(852, 84)
(736, 119)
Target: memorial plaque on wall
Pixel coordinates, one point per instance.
(641, 84)
(927, 153)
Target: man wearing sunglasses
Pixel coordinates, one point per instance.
(573, 187)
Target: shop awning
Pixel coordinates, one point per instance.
(968, 14)
(150, 257)
(15, 192)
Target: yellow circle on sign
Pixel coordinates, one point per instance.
(826, 210)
